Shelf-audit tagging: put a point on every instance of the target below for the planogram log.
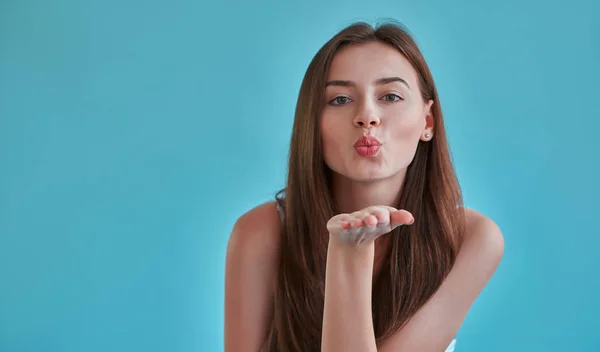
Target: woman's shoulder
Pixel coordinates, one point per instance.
(483, 230)
(477, 219)
(256, 233)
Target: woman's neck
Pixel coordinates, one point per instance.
(350, 195)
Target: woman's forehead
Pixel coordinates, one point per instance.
(366, 63)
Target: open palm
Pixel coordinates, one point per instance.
(368, 224)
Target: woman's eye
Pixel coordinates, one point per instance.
(340, 100)
(391, 97)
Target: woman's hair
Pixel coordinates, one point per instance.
(420, 256)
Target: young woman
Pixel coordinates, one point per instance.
(369, 246)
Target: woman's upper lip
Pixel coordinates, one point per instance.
(366, 141)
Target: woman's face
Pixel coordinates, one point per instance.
(372, 92)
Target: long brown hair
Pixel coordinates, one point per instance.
(420, 256)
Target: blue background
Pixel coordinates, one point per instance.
(134, 133)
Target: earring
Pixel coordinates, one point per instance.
(427, 135)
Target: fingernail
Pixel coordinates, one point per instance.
(412, 221)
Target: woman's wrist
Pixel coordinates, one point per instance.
(349, 253)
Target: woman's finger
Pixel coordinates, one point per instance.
(381, 214)
(358, 218)
(368, 219)
(401, 217)
(339, 223)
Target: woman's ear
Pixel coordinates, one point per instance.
(427, 132)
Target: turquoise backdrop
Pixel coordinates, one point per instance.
(134, 133)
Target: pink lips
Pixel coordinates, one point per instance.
(367, 146)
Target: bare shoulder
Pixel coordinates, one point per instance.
(250, 272)
(484, 235)
(256, 231)
(254, 243)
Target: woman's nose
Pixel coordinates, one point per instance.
(366, 120)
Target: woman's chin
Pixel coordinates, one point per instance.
(374, 174)
(370, 175)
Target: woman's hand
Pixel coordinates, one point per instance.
(347, 314)
(364, 226)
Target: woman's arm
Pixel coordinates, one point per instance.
(251, 263)
(347, 316)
